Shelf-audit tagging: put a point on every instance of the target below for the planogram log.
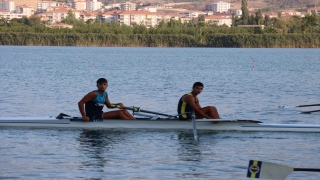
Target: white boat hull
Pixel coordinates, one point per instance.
(202, 124)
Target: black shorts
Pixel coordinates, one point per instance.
(97, 115)
(188, 118)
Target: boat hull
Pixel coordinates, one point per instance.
(211, 124)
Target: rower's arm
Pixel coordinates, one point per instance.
(195, 106)
(113, 105)
(84, 100)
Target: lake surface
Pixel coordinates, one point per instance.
(241, 83)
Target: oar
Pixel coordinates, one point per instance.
(193, 117)
(308, 112)
(267, 170)
(137, 109)
(307, 105)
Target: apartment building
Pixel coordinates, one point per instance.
(25, 10)
(44, 5)
(108, 17)
(149, 19)
(128, 6)
(58, 15)
(93, 5)
(79, 5)
(7, 5)
(220, 6)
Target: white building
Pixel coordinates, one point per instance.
(58, 15)
(93, 5)
(128, 6)
(149, 19)
(316, 9)
(220, 6)
(44, 5)
(237, 12)
(218, 20)
(7, 5)
(191, 14)
(25, 10)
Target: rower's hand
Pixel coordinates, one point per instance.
(85, 118)
(120, 106)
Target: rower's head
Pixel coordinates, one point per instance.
(197, 87)
(102, 84)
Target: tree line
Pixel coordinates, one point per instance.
(278, 32)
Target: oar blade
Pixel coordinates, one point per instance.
(285, 107)
(267, 170)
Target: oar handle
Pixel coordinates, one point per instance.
(137, 109)
(308, 112)
(307, 105)
(306, 169)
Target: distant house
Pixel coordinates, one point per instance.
(191, 14)
(85, 15)
(291, 12)
(237, 12)
(316, 9)
(218, 20)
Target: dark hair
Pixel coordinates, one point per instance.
(197, 84)
(102, 80)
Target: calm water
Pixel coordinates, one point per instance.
(241, 83)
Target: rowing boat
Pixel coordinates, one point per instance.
(65, 121)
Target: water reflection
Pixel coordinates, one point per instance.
(192, 150)
(96, 144)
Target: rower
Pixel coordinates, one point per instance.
(190, 101)
(91, 105)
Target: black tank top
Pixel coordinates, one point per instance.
(184, 108)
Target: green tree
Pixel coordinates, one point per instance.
(201, 18)
(34, 20)
(258, 17)
(245, 12)
(313, 19)
(280, 24)
(70, 19)
(267, 20)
